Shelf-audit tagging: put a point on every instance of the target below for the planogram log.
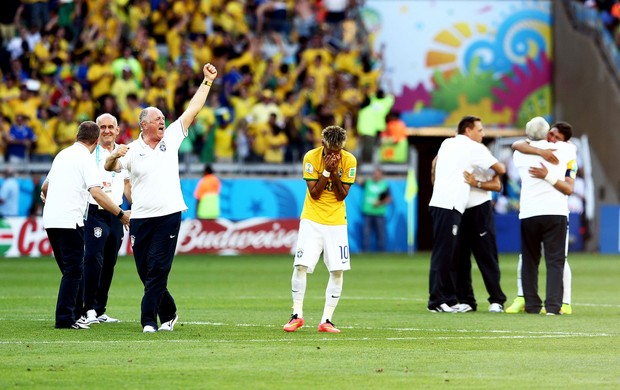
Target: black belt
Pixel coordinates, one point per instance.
(95, 207)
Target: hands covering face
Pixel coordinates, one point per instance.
(331, 161)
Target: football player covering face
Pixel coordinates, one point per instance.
(332, 158)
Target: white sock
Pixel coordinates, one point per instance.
(332, 295)
(519, 282)
(567, 280)
(298, 284)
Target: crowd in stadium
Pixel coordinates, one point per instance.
(287, 70)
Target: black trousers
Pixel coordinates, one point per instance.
(442, 275)
(103, 236)
(154, 242)
(477, 237)
(68, 247)
(550, 231)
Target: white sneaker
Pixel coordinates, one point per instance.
(462, 308)
(91, 317)
(496, 308)
(149, 329)
(79, 325)
(443, 308)
(168, 326)
(105, 318)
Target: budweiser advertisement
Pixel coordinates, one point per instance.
(26, 237)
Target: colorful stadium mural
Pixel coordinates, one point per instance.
(445, 59)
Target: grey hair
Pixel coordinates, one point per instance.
(335, 137)
(143, 114)
(106, 115)
(537, 128)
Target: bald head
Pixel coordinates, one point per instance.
(106, 117)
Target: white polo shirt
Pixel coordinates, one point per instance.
(72, 174)
(154, 174)
(478, 196)
(113, 182)
(456, 155)
(537, 196)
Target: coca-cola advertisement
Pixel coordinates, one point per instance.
(26, 237)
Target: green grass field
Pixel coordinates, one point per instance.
(230, 334)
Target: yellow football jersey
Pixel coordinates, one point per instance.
(327, 210)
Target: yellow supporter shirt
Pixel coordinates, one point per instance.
(309, 55)
(155, 93)
(85, 109)
(315, 129)
(44, 130)
(100, 77)
(348, 61)
(352, 140)
(371, 80)
(41, 52)
(138, 14)
(275, 147)
(173, 40)
(28, 106)
(202, 54)
(181, 8)
(131, 117)
(8, 94)
(198, 16)
(159, 23)
(321, 78)
(258, 132)
(241, 107)
(244, 59)
(224, 143)
(65, 134)
(327, 210)
(205, 118)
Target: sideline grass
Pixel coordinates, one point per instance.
(230, 331)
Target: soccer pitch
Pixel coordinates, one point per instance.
(229, 334)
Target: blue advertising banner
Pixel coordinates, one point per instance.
(284, 198)
(243, 199)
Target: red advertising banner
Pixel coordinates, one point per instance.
(256, 235)
(26, 237)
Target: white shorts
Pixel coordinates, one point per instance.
(332, 240)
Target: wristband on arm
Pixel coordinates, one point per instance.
(551, 180)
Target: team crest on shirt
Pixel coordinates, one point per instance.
(98, 231)
(162, 146)
(132, 238)
(339, 172)
(300, 253)
(309, 168)
(351, 172)
(455, 230)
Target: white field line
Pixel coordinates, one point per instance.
(459, 334)
(354, 298)
(289, 340)
(435, 330)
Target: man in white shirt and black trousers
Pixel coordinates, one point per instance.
(450, 196)
(72, 177)
(543, 212)
(103, 234)
(153, 164)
